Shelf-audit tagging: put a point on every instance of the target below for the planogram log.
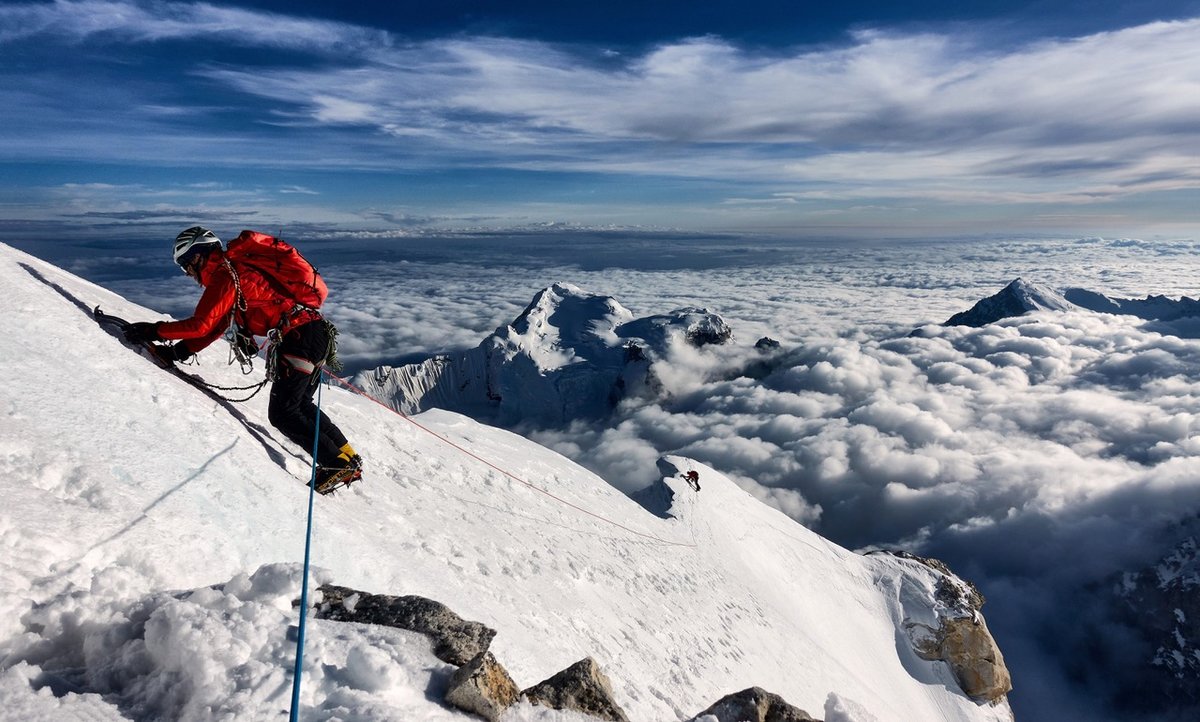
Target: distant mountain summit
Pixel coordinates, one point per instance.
(570, 354)
(1020, 297)
(1016, 299)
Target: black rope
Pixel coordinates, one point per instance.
(217, 389)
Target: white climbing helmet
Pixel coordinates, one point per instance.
(194, 240)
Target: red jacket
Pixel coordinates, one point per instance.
(266, 308)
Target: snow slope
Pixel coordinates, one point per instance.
(152, 535)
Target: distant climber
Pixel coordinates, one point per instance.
(693, 479)
(263, 287)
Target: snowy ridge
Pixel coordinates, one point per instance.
(153, 534)
(570, 354)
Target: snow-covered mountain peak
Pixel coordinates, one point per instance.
(696, 326)
(570, 354)
(1017, 298)
(565, 324)
(1020, 297)
(1034, 297)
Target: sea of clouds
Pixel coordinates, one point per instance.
(1038, 456)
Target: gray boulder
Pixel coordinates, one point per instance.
(455, 640)
(483, 687)
(754, 705)
(583, 688)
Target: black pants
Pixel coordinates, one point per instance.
(299, 358)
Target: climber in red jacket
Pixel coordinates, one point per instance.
(254, 286)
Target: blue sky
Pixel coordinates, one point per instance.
(795, 119)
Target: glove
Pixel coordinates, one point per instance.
(178, 352)
(142, 332)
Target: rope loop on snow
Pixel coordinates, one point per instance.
(505, 472)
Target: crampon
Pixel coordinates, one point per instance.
(330, 480)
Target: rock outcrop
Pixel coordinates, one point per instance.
(956, 632)
(969, 648)
(754, 705)
(582, 688)
(455, 640)
(483, 687)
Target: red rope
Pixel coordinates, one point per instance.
(489, 464)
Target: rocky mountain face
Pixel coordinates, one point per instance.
(570, 354)
(1160, 604)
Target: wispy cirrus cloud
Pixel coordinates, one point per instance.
(117, 21)
(1085, 118)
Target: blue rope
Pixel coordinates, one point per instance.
(312, 486)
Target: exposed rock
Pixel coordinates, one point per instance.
(1159, 607)
(766, 343)
(482, 687)
(455, 640)
(755, 705)
(960, 636)
(971, 651)
(583, 688)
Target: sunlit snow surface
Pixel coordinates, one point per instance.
(151, 537)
